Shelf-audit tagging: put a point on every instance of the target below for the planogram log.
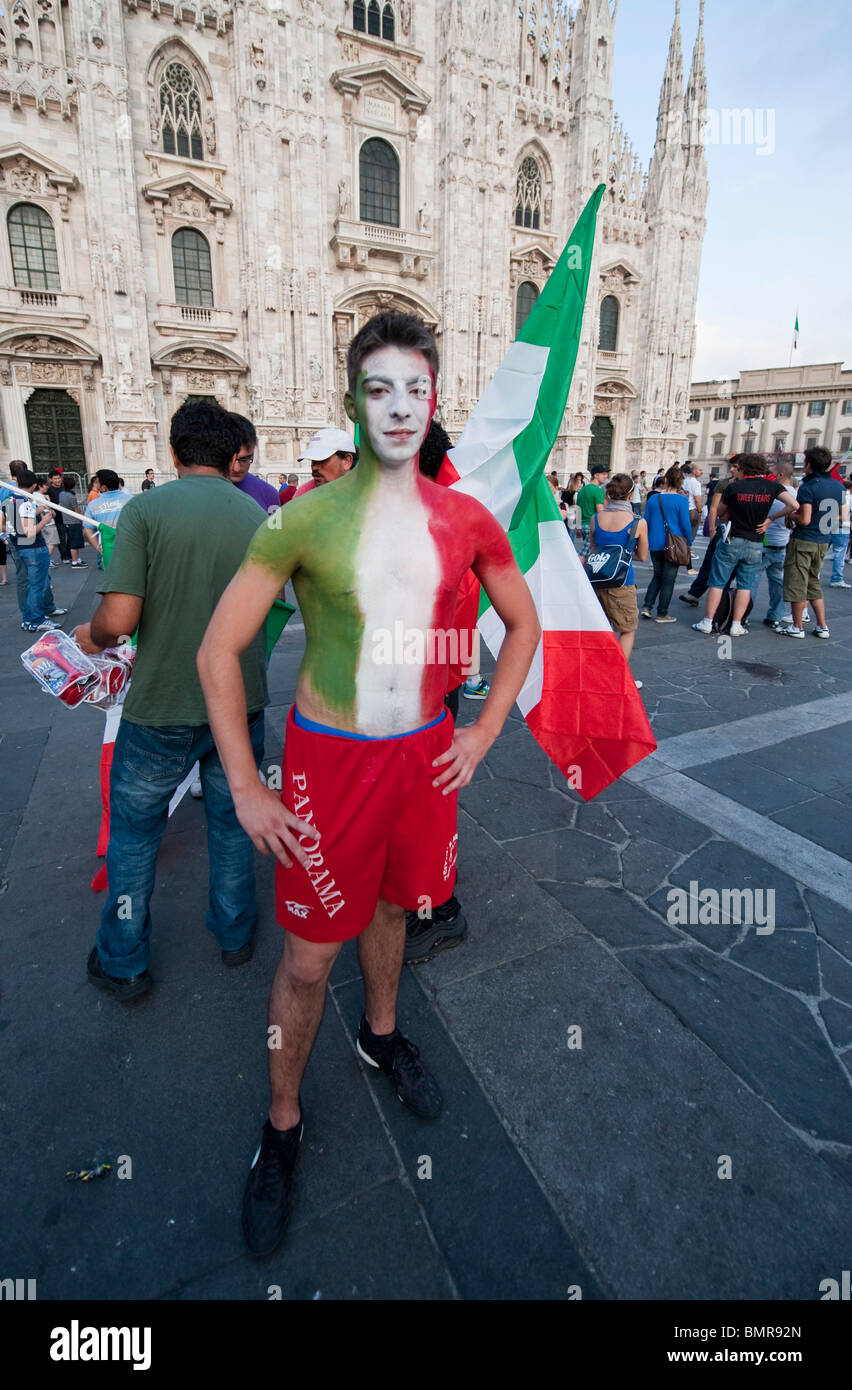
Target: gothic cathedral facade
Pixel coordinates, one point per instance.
(208, 197)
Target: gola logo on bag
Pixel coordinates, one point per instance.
(597, 560)
(297, 909)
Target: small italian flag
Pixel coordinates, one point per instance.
(579, 700)
(796, 334)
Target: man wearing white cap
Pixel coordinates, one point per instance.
(331, 453)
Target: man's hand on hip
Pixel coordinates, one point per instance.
(272, 828)
(462, 758)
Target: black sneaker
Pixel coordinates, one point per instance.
(268, 1197)
(690, 599)
(426, 936)
(127, 990)
(400, 1060)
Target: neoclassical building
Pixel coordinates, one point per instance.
(777, 410)
(208, 197)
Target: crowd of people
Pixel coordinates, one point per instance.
(757, 519)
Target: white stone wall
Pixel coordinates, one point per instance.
(288, 93)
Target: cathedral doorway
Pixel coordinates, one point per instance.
(600, 449)
(55, 432)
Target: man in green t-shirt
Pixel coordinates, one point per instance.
(177, 547)
(590, 500)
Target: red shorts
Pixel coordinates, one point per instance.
(386, 832)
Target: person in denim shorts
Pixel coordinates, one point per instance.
(745, 504)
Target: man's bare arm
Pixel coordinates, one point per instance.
(238, 618)
(116, 616)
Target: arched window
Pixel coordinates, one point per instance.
(359, 16)
(32, 242)
(528, 194)
(374, 18)
(388, 23)
(180, 112)
(191, 262)
(379, 183)
(609, 324)
(524, 300)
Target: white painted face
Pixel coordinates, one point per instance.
(396, 400)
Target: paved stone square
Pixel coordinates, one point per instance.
(554, 1167)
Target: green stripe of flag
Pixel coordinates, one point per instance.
(555, 322)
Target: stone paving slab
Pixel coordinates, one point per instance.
(629, 1129)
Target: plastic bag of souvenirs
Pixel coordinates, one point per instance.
(63, 670)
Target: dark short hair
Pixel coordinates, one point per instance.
(17, 466)
(390, 329)
(753, 465)
(55, 473)
(819, 459)
(203, 435)
(26, 477)
(674, 476)
(433, 449)
(598, 468)
(108, 479)
(149, 470)
(620, 487)
(248, 433)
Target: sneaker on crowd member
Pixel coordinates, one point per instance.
(475, 688)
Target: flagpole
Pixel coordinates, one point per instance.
(46, 502)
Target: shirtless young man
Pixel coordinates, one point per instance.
(366, 822)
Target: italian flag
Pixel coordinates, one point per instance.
(796, 333)
(579, 700)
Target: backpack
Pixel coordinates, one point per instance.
(725, 612)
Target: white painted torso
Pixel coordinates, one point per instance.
(397, 568)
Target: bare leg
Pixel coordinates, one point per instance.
(818, 605)
(741, 604)
(380, 950)
(713, 596)
(626, 640)
(295, 1007)
(798, 611)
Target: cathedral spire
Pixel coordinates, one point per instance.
(670, 112)
(695, 105)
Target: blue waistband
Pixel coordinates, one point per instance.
(312, 727)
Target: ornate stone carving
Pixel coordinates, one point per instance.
(119, 274)
(312, 300)
(315, 373)
(43, 346)
(344, 200)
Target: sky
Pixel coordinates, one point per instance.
(779, 222)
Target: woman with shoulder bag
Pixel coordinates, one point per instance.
(669, 541)
(617, 525)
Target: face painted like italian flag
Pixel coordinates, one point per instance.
(579, 698)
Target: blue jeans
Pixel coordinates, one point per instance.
(773, 564)
(22, 579)
(739, 557)
(35, 560)
(148, 766)
(839, 544)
